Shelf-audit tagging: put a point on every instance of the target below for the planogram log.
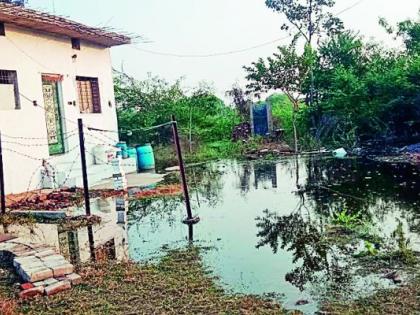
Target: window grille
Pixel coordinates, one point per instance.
(88, 92)
(75, 43)
(8, 77)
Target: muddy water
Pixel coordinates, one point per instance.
(266, 227)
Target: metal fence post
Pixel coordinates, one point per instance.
(2, 190)
(84, 168)
(190, 218)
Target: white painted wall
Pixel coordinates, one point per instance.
(31, 54)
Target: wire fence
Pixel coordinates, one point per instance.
(48, 170)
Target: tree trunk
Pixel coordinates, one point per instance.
(295, 136)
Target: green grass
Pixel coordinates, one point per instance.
(179, 284)
(403, 300)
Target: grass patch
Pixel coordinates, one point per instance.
(403, 300)
(179, 284)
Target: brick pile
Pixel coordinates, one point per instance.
(42, 270)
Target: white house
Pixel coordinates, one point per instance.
(52, 72)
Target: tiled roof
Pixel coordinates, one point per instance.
(45, 22)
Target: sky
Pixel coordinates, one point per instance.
(208, 27)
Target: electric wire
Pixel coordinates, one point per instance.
(232, 52)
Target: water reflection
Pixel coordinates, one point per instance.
(284, 251)
(265, 172)
(107, 240)
(191, 233)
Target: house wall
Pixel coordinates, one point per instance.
(32, 54)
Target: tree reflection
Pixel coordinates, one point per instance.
(308, 245)
(205, 181)
(244, 175)
(358, 185)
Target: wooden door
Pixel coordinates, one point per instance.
(53, 116)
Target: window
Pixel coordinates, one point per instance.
(89, 98)
(9, 90)
(2, 29)
(75, 43)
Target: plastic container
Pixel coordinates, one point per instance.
(103, 154)
(340, 153)
(123, 149)
(145, 157)
(132, 153)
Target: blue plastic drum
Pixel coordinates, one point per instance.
(123, 149)
(145, 157)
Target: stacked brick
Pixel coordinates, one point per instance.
(41, 269)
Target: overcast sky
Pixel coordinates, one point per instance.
(191, 27)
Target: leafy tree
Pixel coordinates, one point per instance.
(309, 17)
(240, 100)
(365, 92)
(408, 30)
(286, 71)
(202, 116)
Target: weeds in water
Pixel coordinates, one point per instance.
(369, 250)
(346, 220)
(404, 252)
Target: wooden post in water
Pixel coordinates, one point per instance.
(2, 190)
(84, 168)
(190, 219)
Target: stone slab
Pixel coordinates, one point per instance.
(24, 252)
(45, 253)
(34, 275)
(50, 281)
(74, 278)
(6, 237)
(30, 266)
(39, 284)
(30, 293)
(7, 246)
(52, 258)
(63, 270)
(55, 263)
(57, 287)
(17, 261)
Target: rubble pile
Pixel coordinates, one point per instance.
(274, 149)
(45, 199)
(241, 132)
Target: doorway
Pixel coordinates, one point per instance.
(51, 85)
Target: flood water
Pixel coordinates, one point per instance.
(265, 226)
(263, 223)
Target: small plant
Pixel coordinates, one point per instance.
(369, 250)
(344, 219)
(404, 252)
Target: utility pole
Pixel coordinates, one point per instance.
(2, 190)
(84, 168)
